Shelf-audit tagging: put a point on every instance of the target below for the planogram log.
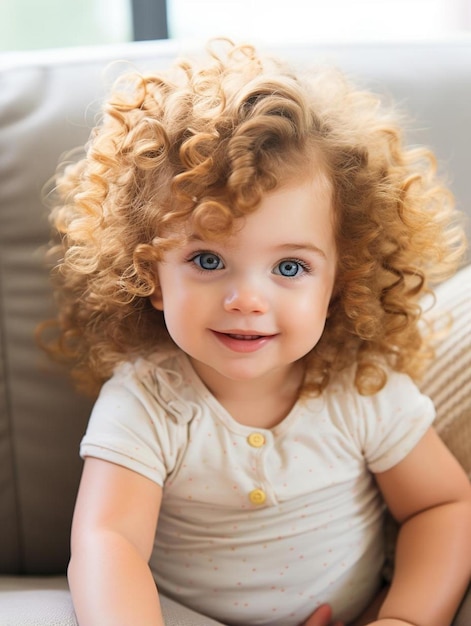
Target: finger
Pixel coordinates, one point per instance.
(321, 617)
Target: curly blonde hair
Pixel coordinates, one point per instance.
(202, 144)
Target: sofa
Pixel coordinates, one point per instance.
(49, 101)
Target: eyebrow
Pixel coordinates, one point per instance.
(310, 247)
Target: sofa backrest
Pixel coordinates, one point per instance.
(48, 103)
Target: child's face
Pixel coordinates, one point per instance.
(253, 304)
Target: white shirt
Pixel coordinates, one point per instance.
(259, 526)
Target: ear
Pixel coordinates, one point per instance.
(156, 299)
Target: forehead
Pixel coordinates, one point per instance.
(298, 203)
(300, 210)
(295, 216)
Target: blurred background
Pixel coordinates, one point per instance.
(35, 24)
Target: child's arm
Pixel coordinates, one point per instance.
(112, 538)
(430, 496)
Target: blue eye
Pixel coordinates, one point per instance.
(208, 261)
(289, 268)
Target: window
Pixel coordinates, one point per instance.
(302, 21)
(30, 24)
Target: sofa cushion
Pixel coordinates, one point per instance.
(31, 601)
(41, 420)
(448, 379)
(48, 102)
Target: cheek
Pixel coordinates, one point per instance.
(313, 302)
(182, 309)
(306, 314)
(172, 288)
(177, 323)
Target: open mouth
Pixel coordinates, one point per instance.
(244, 337)
(243, 342)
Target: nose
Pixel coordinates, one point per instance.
(245, 297)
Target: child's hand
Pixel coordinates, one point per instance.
(322, 617)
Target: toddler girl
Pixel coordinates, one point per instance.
(243, 256)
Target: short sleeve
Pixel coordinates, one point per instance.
(134, 425)
(393, 421)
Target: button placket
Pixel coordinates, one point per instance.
(257, 440)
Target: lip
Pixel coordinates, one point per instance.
(243, 341)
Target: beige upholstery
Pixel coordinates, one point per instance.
(48, 102)
(46, 601)
(448, 379)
